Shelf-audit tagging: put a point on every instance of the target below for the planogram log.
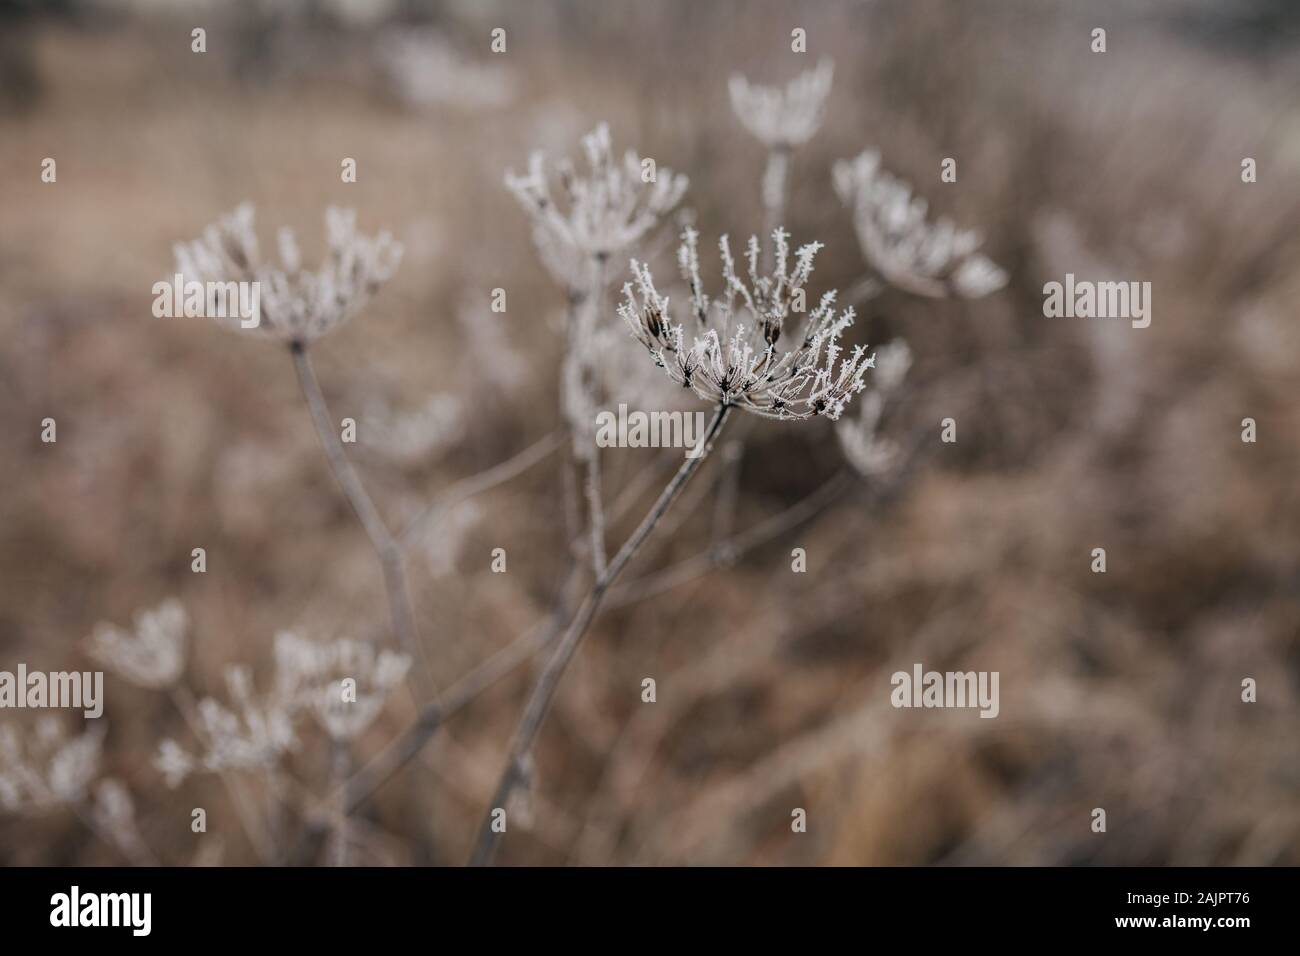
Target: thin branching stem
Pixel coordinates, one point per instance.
(543, 692)
(340, 767)
(729, 549)
(596, 513)
(464, 489)
(405, 748)
(776, 177)
(386, 546)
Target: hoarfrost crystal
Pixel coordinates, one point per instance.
(734, 358)
(297, 305)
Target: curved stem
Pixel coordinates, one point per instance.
(466, 488)
(385, 545)
(543, 693)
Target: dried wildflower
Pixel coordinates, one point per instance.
(297, 305)
(783, 118)
(47, 768)
(932, 259)
(735, 359)
(609, 207)
(865, 449)
(311, 674)
(153, 655)
(412, 437)
(253, 733)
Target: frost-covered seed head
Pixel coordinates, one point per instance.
(297, 305)
(783, 118)
(606, 208)
(916, 255)
(750, 347)
(863, 446)
(152, 654)
(45, 767)
(309, 676)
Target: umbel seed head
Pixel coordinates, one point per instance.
(733, 357)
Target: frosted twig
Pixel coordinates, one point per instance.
(543, 692)
(729, 549)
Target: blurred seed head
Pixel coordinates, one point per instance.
(605, 210)
(44, 767)
(925, 258)
(866, 450)
(296, 304)
(783, 118)
(152, 654)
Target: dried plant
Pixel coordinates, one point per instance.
(153, 655)
(253, 732)
(783, 118)
(310, 674)
(734, 358)
(866, 450)
(297, 305)
(610, 206)
(47, 768)
(746, 372)
(902, 245)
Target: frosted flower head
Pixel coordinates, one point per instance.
(783, 118)
(750, 345)
(152, 654)
(312, 675)
(866, 450)
(251, 732)
(916, 255)
(297, 305)
(45, 767)
(606, 208)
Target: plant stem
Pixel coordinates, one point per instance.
(340, 767)
(385, 545)
(775, 177)
(401, 751)
(466, 488)
(596, 512)
(543, 692)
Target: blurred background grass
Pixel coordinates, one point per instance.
(1118, 691)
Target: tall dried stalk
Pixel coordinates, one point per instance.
(386, 546)
(543, 692)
